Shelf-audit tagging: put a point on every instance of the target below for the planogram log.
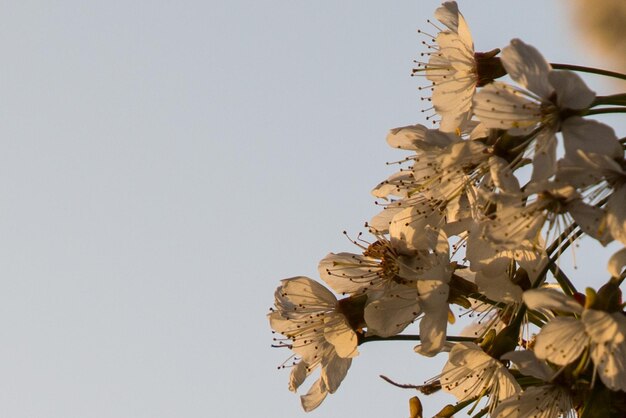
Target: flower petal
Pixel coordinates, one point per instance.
(589, 136)
(561, 341)
(603, 327)
(391, 313)
(541, 299)
(335, 371)
(616, 214)
(315, 396)
(544, 159)
(608, 336)
(527, 67)
(448, 14)
(299, 294)
(299, 373)
(571, 90)
(407, 137)
(338, 332)
(348, 273)
(617, 263)
(529, 365)
(433, 296)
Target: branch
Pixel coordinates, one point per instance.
(410, 337)
(589, 70)
(400, 385)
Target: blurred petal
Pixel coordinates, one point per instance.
(571, 90)
(527, 67)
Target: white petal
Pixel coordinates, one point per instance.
(499, 287)
(335, 371)
(527, 67)
(348, 273)
(469, 371)
(380, 222)
(448, 14)
(454, 52)
(561, 341)
(407, 137)
(464, 34)
(499, 106)
(433, 296)
(529, 365)
(551, 299)
(301, 293)
(503, 176)
(439, 139)
(571, 90)
(514, 225)
(341, 336)
(589, 136)
(454, 101)
(544, 159)
(591, 219)
(611, 365)
(616, 214)
(299, 373)
(608, 333)
(315, 396)
(395, 185)
(602, 326)
(408, 232)
(617, 263)
(547, 401)
(390, 314)
(464, 153)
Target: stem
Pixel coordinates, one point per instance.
(481, 413)
(614, 99)
(606, 110)
(450, 410)
(409, 337)
(590, 70)
(400, 385)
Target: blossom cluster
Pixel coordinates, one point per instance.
(483, 204)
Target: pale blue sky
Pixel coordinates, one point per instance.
(164, 164)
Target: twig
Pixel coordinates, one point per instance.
(400, 385)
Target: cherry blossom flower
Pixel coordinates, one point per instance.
(452, 69)
(455, 70)
(545, 400)
(388, 277)
(472, 373)
(594, 162)
(564, 338)
(433, 291)
(465, 224)
(311, 319)
(541, 108)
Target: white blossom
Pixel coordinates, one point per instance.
(564, 338)
(308, 315)
(388, 277)
(452, 69)
(470, 372)
(538, 108)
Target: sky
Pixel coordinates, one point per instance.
(165, 164)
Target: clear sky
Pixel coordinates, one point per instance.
(164, 164)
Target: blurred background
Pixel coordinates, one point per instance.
(164, 164)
